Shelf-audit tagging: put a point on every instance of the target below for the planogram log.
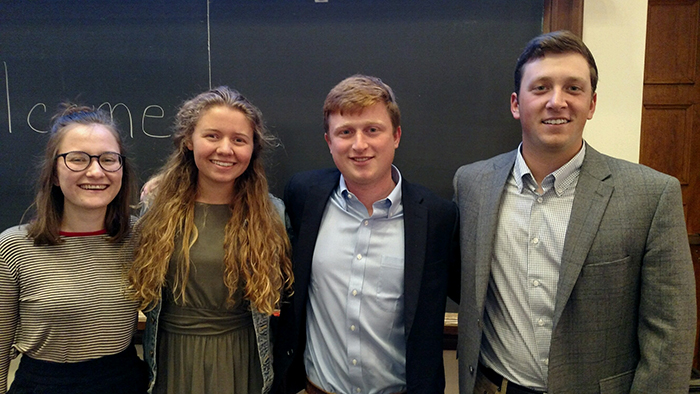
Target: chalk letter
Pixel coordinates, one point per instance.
(145, 115)
(111, 113)
(29, 115)
(7, 94)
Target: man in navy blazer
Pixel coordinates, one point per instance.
(371, 257)
(577, 275)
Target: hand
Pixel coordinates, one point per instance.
(149, 187)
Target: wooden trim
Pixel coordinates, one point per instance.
(563, 15)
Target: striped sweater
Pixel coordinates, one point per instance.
(63, 303)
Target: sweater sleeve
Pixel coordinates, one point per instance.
(9, 318)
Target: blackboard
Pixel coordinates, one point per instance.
(450, 64)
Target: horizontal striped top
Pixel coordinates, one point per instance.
(63, 303)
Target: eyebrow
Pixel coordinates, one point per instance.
(363, 124)
(568, 79)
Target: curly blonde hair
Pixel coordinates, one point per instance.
(256, 245)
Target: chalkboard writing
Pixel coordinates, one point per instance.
(449, 62)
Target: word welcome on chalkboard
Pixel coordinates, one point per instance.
(450, 63)
(152, 111)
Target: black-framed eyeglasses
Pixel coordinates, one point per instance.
(79, 161)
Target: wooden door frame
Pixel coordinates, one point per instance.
(563, 15)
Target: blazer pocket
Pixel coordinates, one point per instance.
(434, 265)
(621, 383)
(606, 280)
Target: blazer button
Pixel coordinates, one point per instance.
(290, 352)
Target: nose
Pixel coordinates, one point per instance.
(359, 143)
(225, 147)
(557, 100)
(94, 169)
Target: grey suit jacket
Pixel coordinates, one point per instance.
(625, 312)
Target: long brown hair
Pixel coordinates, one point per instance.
(256, 245)
(45, 227)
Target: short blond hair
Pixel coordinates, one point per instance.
(355, 93)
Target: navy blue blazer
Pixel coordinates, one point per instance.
(431, 259)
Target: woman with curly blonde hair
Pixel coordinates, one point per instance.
(212, 261)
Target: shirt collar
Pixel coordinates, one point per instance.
(392, 203)
(562, 178)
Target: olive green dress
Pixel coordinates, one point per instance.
(205, 346)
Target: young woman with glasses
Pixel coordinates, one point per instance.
(213, 255)
(63, 299)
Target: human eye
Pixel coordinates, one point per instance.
(240, 141)
(344, 132)
(109, 158)
(77, 157)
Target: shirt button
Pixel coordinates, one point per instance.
(359, 257)
(546, 361)
(357, 390)
(539, 199)
(354, 293)
(366, 222)
(354, 361)
(540, 322)
(352, 328)
(536, 283)
(535, 240)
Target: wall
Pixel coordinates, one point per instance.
(140, 60)
(615, 31)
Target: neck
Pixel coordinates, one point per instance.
(369, 194)
(83, 222)
(214, 195)
(543, 163)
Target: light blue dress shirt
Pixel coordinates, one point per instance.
(355, 329)
(525, 270)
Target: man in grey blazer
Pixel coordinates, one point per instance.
(576, 270)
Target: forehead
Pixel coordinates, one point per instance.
(89, 137)
(568, 65)
(221, 116)
(375, 113)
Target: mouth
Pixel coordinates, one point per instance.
(360, 159)
(93, 187)
(222, 163)
(556, 121)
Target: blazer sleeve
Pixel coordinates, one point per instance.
(454, 280)
(667, 310)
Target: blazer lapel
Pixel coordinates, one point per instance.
(493, 183)
(415, 217)
(593, 192)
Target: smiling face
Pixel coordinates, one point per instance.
(222, 144)
(554, 103)
(362, 145)
(87, 192)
